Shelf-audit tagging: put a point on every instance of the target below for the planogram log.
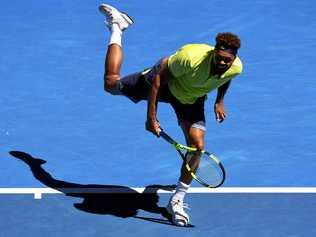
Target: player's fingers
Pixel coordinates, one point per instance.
(216, 116)
(222, 117)
(157, 129)
(151, 128)
(219, 117)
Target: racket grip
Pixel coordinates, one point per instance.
(166, 137)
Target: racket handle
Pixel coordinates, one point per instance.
(166, 137)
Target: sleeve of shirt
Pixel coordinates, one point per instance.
(179, 63)
(237, 67)
(234, 70)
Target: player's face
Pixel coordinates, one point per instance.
(223, 61)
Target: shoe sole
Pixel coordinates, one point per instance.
(126, 17)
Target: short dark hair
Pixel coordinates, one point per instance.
(228, 40)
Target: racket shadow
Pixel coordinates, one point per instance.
(119, 201)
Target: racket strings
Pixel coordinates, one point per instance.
(205, 168)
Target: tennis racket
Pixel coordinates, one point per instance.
(205, 167)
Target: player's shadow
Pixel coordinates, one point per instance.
(113, 200)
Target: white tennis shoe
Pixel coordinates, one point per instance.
(176, 209)
(113, 16)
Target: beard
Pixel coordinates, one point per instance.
(220, 69)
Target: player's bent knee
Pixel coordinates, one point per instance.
(199, 145)
(111, 85)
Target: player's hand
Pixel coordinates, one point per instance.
(153, 126)
(219, 111)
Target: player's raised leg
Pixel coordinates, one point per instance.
(116, 22)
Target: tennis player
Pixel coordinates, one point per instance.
(183, 80)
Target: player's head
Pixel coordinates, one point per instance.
(226, 48)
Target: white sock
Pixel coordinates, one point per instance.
(116, 35)
(181, 190)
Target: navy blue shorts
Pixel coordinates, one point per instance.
(137, 87)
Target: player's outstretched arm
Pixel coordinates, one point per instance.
(161, 78)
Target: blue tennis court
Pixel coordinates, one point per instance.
(53, 108)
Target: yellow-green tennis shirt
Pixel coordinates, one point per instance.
(191, 67)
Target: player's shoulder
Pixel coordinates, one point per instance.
(194, 52)
(192, 49)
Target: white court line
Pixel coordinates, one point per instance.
(38, 192)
